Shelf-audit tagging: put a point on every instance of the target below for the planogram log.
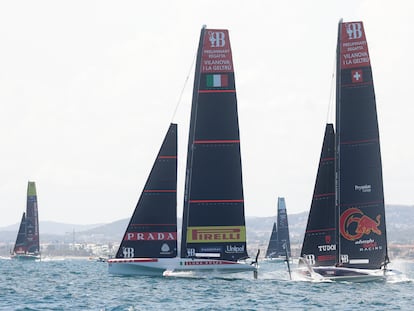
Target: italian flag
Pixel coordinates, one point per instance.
(217, 80)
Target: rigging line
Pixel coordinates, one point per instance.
(184, 86)
(331, 94)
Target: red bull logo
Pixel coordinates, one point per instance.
(353, 224)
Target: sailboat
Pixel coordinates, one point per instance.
(345, 238)
(213, 235)
(27, 244)
(279, 243)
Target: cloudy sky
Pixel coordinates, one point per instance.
(88, 89)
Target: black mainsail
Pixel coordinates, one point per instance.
(319, 244)
(27, 241)
(213, 213)
(152, 230)
(360, 197)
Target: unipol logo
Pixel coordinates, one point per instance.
(354, 31)
(128, 252)
(217, 39)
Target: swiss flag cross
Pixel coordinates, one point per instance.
(357, 76)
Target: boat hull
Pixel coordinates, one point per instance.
(158, 266)
(338, 274)
(28, 257)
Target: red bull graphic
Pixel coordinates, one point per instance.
(364, 224)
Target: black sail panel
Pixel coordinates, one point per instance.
(213, 214)
(20, 245)
(272, 247)
(152, 230)
(32, 220)
(283, 229)
(320, 241)
(363, 242)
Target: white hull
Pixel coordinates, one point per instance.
(338, 274)
(161, 266)
(25, 257)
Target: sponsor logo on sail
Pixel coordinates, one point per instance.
(210, 249)
(217, 39)
(216, 234)
(353, 224)
(327, 247)
(128, 252)
(230, 249)
(363, 188)
(150, 236)
(354, 30)
(165, 249)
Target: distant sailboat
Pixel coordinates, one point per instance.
(279, 243)
(213, 229)
(345, 237)
(27, 244)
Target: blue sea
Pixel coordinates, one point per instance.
(81, 284)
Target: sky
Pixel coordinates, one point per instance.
(89, 88)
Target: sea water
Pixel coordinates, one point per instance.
(74, 284)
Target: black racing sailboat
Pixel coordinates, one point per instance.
(213, 230)
(357, 238)
(27, 244)
(279, 243)
(213, 216)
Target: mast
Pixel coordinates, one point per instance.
(191, 138)
(337, 137)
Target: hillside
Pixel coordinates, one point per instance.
(400, 229)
